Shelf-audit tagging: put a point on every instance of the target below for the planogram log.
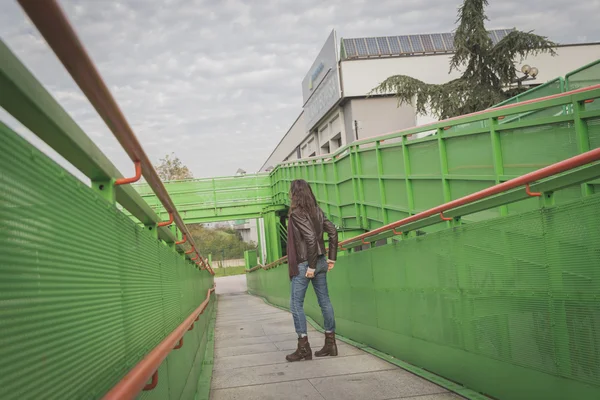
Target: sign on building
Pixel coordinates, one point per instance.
(321, 85)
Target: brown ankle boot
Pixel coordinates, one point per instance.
(330, 348)
(303, 352)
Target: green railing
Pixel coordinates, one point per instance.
(379, 180)
(549, 88)
(214, 199)
(89, 295)
(86, 292)
(588, 75)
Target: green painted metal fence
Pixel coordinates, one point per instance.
(85, 293)
(585, 76)
(376, 181)
(215, 199)
(507, 307)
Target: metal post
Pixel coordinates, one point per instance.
(172, 245)
(324, 183)
(407, 179)
(382, 196)
(336, 179)
(445, 173)
(583, 139)
(497, 156)
(361, 189)
(354, 186)
(258, 239)
(214, 196)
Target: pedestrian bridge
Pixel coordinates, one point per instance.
(468, 267)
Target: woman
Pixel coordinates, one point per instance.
(307, 262)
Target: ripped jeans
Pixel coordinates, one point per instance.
(298, 291)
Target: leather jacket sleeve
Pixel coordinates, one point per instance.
(304, 225)
(332, 236)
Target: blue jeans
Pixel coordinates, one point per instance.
(298, 291)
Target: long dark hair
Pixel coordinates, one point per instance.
(302, 197)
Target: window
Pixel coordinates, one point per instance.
(336, 142)
(311, 145)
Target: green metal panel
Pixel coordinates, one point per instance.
(419, 174)
(549, 88)
(514, 297)
(585, 76)
(85, 292)
(215, 199)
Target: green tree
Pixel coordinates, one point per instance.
(171, 168)
(488, 69)
(224, 243)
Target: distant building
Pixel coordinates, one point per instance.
(215, 225)
(337, 111)
(247, 229)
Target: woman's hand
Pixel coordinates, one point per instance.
(330, 265)
(310, 273)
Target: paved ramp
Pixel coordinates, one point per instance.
(231, 284)
(252, 339)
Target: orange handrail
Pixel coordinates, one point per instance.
(166, 223)
(138, 175)
(135, 380)
(182, 241)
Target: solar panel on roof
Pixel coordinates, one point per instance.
(416, 43)
(372, 47)
(427, 43)
(361, 47)
(501, 33)
(448, 40)
(438, 43)
(398, 45)
(350, 47)
(394, 45)
(383, 45)
(405, 44)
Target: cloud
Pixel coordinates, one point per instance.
(219, 82)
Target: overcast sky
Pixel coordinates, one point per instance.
(219, 82)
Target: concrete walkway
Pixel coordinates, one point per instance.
(252, 339)
(231, 284)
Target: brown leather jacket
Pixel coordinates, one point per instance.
(308, 237)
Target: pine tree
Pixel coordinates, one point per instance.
(488, 69)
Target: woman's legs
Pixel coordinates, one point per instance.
(320, 286)
(298, 292)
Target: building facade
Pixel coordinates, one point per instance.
(338, 108)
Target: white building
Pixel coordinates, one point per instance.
(336, 108)
(247, 229)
